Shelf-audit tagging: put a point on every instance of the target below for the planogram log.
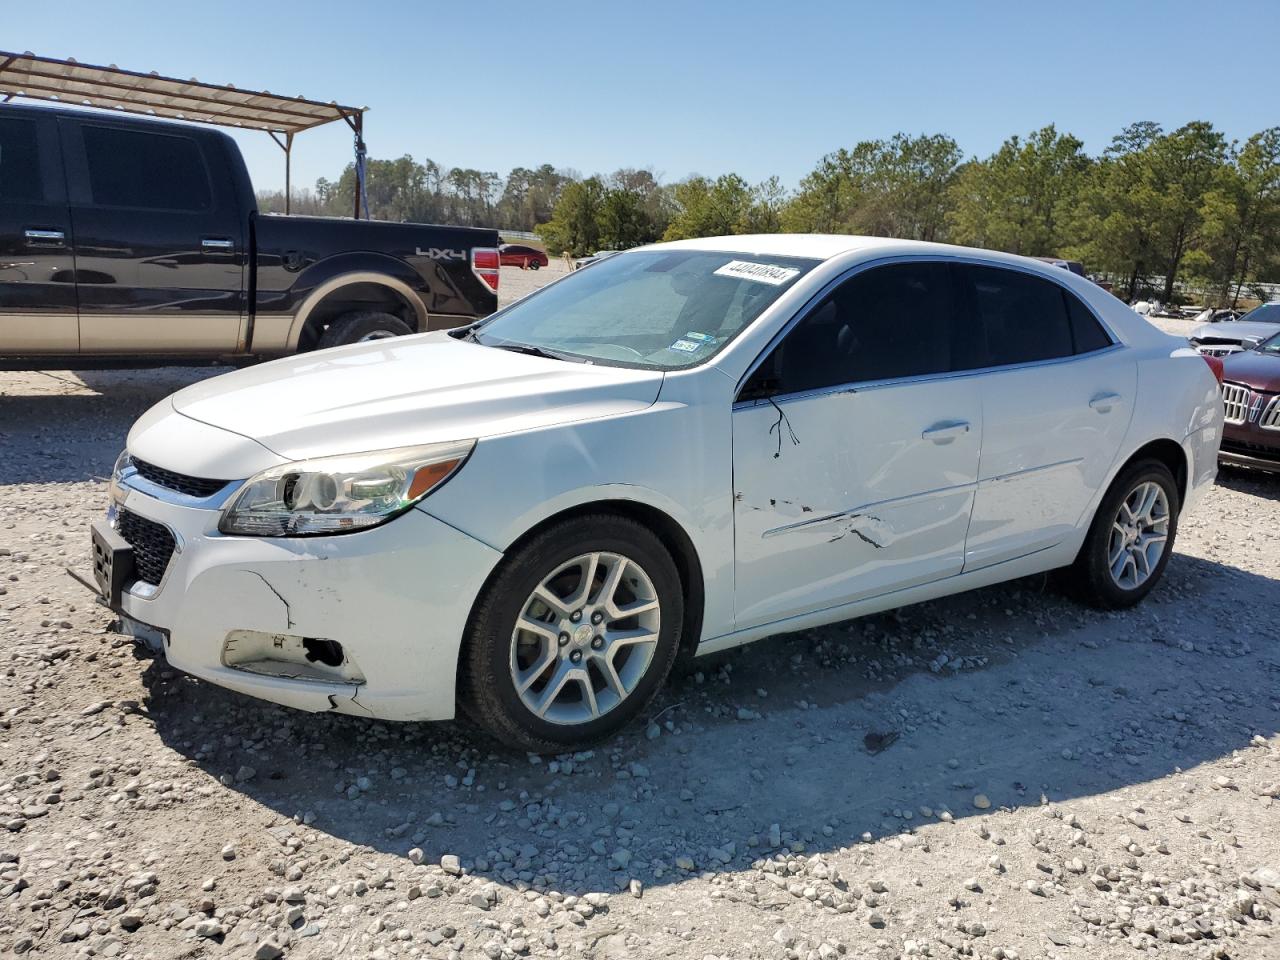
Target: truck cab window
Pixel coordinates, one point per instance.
(19, 163)
(129, 168)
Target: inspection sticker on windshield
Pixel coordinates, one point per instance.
(687, 346)
(769, 273)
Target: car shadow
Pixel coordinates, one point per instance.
(814, 741)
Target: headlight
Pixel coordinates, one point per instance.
(124, 464)
(340, 494)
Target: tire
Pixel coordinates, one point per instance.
(534, 265)
(497, 656)
(1091, 576)
(360, 326)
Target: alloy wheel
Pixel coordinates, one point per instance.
(585, 638)
(1139, 534)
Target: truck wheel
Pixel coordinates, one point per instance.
(362, 326)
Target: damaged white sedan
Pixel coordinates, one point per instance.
(682, 448)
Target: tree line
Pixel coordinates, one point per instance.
(1176, 205)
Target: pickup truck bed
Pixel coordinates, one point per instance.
(130, 242)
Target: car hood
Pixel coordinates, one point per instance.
(1235, 331)
(406, 391)
(1260, 371)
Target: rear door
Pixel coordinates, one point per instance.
(1056, 405)
(160, 250)
(37, 268)
(855, 448)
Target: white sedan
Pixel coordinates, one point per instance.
(687, 447)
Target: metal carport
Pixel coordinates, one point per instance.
(110, 88)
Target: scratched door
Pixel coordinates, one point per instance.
(855, 450)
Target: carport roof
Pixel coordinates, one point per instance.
(82, 84)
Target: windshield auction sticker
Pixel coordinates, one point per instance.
(769, 273)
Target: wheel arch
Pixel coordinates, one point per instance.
(668, 530)
(1169, 452)
(347, 292)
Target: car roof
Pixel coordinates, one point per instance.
(826, 246)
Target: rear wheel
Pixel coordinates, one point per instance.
(534, 265)
(573, 636)
(361, 327)
(1131, 538)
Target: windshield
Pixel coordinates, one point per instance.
(1271, 345)
(654, 309)
(1267, 313)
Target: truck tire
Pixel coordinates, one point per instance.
(362, 326)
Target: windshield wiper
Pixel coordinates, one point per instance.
(530, 350)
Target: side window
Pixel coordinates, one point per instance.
(129, 168)
(19, 161)
(1086, 332)
(1023, 317)
(887, 322)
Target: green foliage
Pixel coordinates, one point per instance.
(724, 206)
(1020, 198)
(1180, 204)
(889, 188)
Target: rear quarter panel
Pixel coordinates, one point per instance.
(296, 255)
(1179, 398)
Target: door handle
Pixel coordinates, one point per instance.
(1103, 402)
(945, 431)
(54, 238)
(217, 243)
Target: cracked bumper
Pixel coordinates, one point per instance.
(396, 597)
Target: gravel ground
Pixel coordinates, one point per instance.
(998, 775)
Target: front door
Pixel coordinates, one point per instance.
(160, 251)
(856, 447)
(37, 268)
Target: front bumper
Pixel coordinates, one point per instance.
(1249, 445)
(396, 597)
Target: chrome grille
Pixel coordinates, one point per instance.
(152, 543)
(1235, 403)
(1219, 351)
(1270, 419)
(191, 486)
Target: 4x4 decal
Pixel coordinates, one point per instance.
(438, 253)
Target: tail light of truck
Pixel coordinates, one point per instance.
(484, 264)
(1216, 366)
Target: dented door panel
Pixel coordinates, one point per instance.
(848, 495)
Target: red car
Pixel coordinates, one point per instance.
(1251, 407)
(518, 255)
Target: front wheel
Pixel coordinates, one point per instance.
(573, 635)
(1131, 538)
(534, 265)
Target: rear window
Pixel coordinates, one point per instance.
(19, 161)
(1086, 332)
(129, 168)
(1023, 317)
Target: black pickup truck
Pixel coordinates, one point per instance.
(126, 242)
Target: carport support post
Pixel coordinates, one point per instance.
(288, 157)
(358, 127)
(287, 146)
